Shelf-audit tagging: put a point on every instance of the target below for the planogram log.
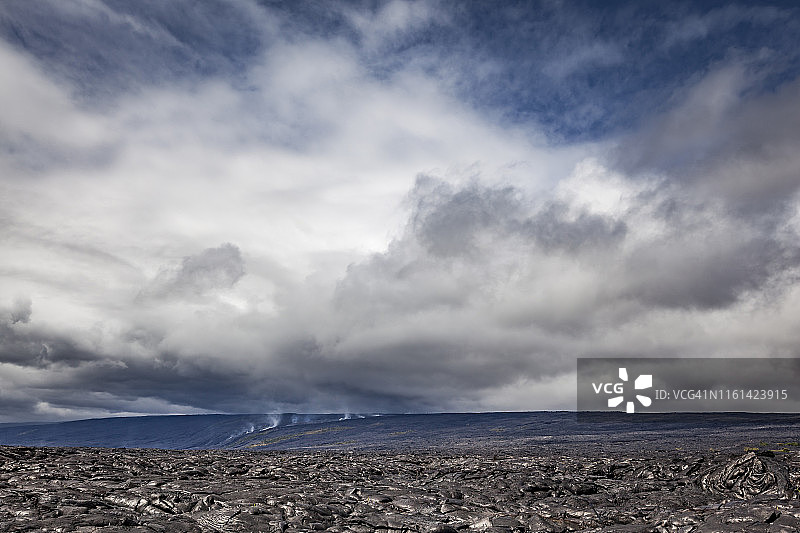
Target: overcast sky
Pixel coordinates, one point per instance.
(261, 206)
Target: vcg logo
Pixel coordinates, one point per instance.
(644, 381)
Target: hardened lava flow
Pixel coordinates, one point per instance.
(137, 490)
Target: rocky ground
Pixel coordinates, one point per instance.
(90, 489)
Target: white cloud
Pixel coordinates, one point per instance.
(696, 27)
(583, 58)
(394, 20)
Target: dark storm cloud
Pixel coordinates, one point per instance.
(24, 344)
(98, 385)
(554, 230)
(448, 221)
(706, 272)
(173, 380)
(33, 347)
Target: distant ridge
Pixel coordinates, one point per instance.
(445, 431)
(165, 431)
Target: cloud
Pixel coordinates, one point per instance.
(28, 140)
(423, 217)
(720, 136)
(488, 281)
(396, 22)
(487, 292)
(104, 49)
(699, 26)
(21, 311)
(596, 54)
(450, 221)
(708, 271)
(213, 268)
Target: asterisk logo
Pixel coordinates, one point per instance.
(644, 381)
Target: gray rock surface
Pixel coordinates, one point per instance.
(137, 490)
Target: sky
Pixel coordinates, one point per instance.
(237, 206)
